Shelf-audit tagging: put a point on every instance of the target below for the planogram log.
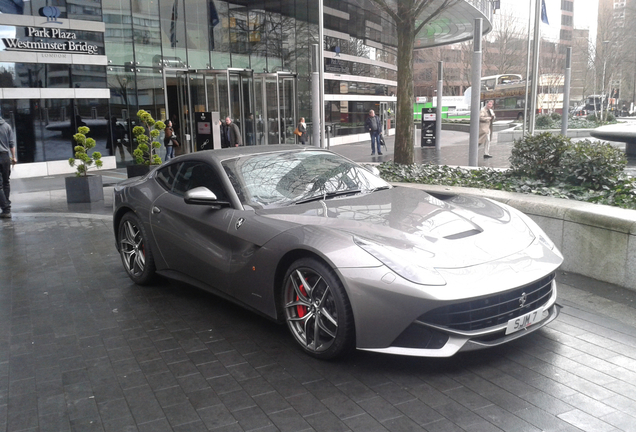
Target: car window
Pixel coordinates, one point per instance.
(278, 179)
(166, 175)
(196, 174)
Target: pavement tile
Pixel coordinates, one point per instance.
(505, 420)
(114, 409)
(419, 412)
(193, 382)
(181, 414)
(289, 420)
(342, 406)
(468, 398)
(620, 420)
(271, 402)
(252, 418)
(365, 423)
(589, 405)
(196, 426)
(458, 414)
(171, 396)
(585, 422)
(216, 416)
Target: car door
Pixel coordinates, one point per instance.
(194, 239)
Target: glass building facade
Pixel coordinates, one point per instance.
(66, 63)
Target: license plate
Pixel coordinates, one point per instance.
(524, 321)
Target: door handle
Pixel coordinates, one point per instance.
(156, 209)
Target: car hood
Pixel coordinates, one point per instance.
(447, 232)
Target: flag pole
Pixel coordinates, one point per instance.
(535, 66)
(525, 101)
(321, 71)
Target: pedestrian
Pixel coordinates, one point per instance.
(7, 159)
(486, 118)
(302, 129)
(115, 138)
(169, 140)
(249, 129)
(374, 126)
(230, 134)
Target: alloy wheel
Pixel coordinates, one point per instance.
(132, 248)
(310, 310)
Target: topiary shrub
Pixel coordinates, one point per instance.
(592, 118)
(610, 117)
(544, 121)
(592, 164)
(147, 146)
(555, 116)
(82, 158)
(538, 156)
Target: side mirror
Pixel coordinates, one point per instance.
(203, 196)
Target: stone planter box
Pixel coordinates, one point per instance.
(85, 189)
(137, 170)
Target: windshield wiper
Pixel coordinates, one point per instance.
(328, 195)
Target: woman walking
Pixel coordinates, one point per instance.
(302, 128)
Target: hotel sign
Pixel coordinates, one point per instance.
(61, 41)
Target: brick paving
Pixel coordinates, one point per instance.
(82, 348)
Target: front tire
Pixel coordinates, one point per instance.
(134, 250)
(317, 310)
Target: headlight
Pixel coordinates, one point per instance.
(538, 232)
(535, 230)
(403, 262)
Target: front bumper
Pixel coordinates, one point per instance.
(458, 342)
(387, 307)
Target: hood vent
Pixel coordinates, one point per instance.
(464, 234)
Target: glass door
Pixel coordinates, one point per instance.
(241, 102)
(383, 117)
(247, 111)
(178, 105)
(287, 105)
(276, 99)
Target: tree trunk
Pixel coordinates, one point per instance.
(405, 96)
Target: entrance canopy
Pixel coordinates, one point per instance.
(455, 24)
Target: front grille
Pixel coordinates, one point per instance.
(490, 311)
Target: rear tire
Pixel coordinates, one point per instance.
(317, 310)
(134, 250)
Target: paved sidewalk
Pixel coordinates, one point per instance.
(454, 151)
(82, 348)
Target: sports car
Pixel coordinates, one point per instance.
(309, 238)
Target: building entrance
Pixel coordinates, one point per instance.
(262, 105)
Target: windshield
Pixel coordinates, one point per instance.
(285, 178)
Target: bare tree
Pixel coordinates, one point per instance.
(505, 48)
(410, 17)
(608, 55)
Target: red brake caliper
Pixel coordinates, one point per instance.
(301, 310)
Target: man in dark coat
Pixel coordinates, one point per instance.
(7, 159)
(230, 134)
(374, 126)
